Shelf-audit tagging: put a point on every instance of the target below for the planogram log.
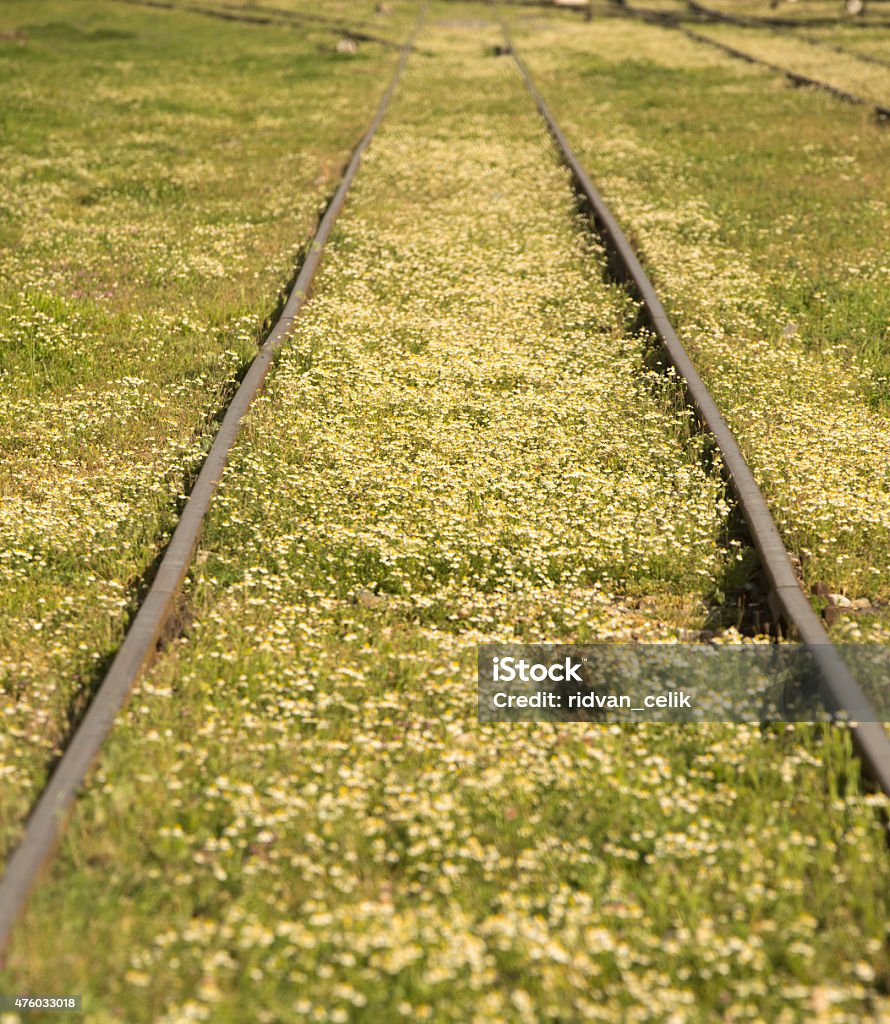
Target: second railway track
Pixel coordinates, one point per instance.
(720, 16)
(672, 21)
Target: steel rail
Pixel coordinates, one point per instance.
(666, 20)
(840, 691)
(47, 819)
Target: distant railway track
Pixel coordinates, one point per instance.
(881, 111)
(263, 16)
(794, 23)
(157, 610)
(733, 19)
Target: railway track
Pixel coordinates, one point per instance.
(753, 20)
(275, 17)
(776, 29)
(840, 691)
(881, 111)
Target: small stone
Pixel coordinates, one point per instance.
(367, 598)
(347, 46)
(840, 601)
(860, 604)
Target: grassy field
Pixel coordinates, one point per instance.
(300, 817)
(161, 173)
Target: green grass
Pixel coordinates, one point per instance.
(161, 173)
(299, 817)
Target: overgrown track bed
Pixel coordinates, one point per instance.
(460, 443)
